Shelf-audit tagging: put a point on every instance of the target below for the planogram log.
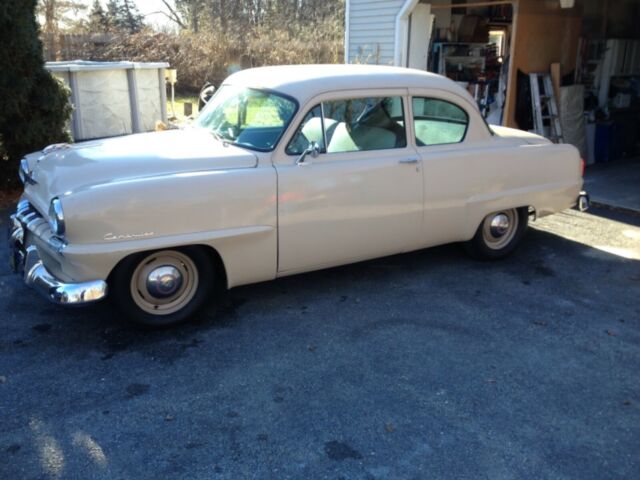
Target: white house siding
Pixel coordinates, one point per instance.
(371, 30)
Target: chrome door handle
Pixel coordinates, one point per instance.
(409, 160)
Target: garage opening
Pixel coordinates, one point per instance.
(471, 45)
(590, 49)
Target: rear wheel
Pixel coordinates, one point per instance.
(164, 287)
(499, 234)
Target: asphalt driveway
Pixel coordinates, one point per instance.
(418, 366)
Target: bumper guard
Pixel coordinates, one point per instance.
(583, 201)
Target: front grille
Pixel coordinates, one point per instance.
(37, 226)
(32, 219)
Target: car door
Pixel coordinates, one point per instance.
(448, 144)
(361, 197)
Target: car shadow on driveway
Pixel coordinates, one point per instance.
(384, 368)
(544, 265)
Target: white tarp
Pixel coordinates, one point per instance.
(113, 98)
(104, 103)
(572, 117)
(148, 98)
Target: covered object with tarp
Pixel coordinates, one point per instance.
(113, 98)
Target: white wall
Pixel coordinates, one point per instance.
(371, 31)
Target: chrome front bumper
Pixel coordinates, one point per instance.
(24, 258)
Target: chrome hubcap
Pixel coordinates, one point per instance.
(164, 281)
(498, 229)
(499, 225)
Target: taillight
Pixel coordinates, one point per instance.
(582, 166)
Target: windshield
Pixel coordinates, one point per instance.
(247, 117)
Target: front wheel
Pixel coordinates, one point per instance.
(165, 287)
(499, 234)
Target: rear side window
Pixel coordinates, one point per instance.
(352, 125)
(438, 122)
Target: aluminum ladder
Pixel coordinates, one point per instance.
(544, 106)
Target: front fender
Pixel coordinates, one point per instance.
(233, 211)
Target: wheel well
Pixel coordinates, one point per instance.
(530, 209)
(219, 265)
(212, 253)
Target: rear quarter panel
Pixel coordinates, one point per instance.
(466, 181)
(506, 175)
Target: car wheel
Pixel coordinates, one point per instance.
(164, 287)
(498, 234)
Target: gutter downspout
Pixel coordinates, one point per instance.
(347, 47)
(402, 40)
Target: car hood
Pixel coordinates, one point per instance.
(63, 169)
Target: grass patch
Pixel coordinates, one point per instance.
(180, 100)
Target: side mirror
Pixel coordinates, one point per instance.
(313, 150)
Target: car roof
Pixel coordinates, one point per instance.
(306, 81)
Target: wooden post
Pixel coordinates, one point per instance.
(556, 78)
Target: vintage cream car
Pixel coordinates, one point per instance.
(288, 169)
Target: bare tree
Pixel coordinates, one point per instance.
(59, 14)
(242, 14)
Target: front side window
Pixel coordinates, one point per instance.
(310, 130)
(352, 125)
(247, 117)
(438, 122)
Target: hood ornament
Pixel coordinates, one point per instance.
(55, 147)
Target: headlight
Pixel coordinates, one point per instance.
(23, 172)
(56, 217)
